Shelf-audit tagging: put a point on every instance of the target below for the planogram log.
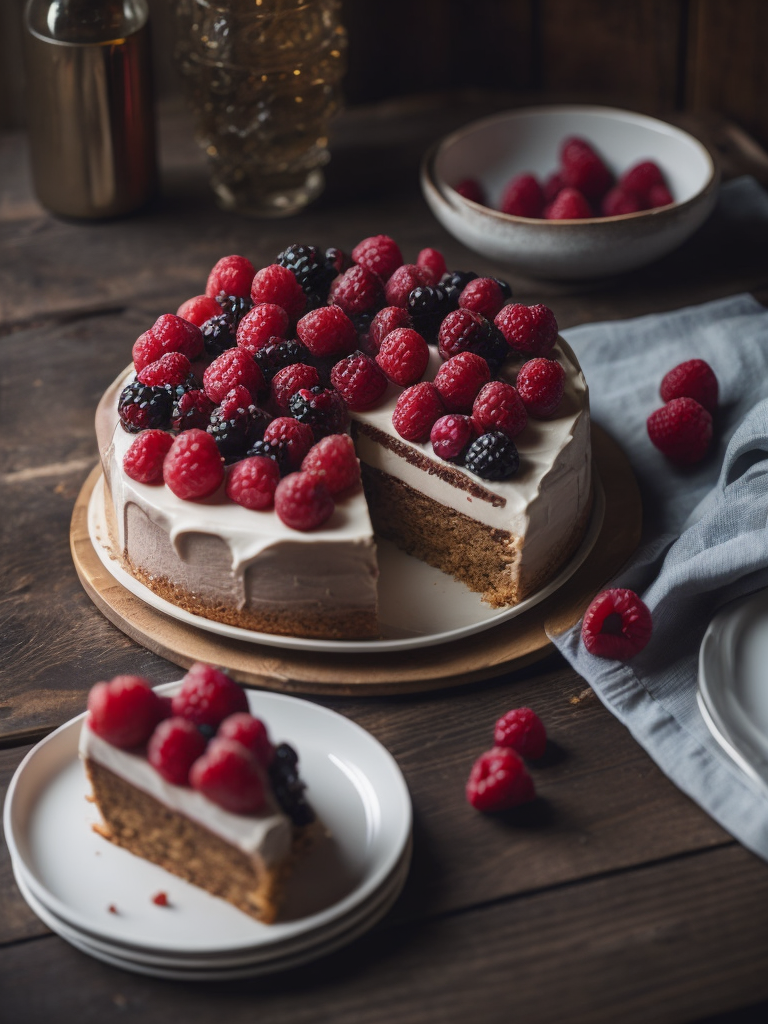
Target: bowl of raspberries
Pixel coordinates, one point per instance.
(570, 192)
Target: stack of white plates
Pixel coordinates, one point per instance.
(100, 898)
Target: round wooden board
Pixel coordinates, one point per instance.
(503, 648)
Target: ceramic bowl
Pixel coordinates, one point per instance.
(496, 148)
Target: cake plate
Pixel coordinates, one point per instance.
(359, 669)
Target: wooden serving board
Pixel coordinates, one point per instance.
(503, 648)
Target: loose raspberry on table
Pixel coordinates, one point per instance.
(402, 282)
(322, 408)
(403, 356)
(296, 438)
(333, 461)
(289, 380)
(379, 254)
(493, 456)
(357, 290)
(659, 195)
(484, 295)
(416, 410)
(193, 467)
(173, 748)
(522, 197)
(230, 776)
(233, 367)
(432, 262)
(192, 409)
(695, 379)
(498, 406)
(207, 696)
(451, 435)
(232, 275)
(681, 430)
(568, 204)
(303, 502)
(124, 711)
(142, 407)
(251, 733)
(173, 368)
(260, 325)
(523, 731)
(198, 309)
(143, 461)
(327, 332)
(641, 178)
(459, 380)
(531, 330)
(387, 319)
(552, 185)
(471, 189)
(540, 384)
(219, 334)
(278, 354)
(616, 625)
(276, 284)
(360, 381)
(252, 482)
(499, 781)
(583, 169)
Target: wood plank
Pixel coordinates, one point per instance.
(669, 943)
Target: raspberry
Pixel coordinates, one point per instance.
(141, 407)
(260, 325)
(659, 195)
(219, 334)
(192, 409)
(459, 380)
(416, 410)
(499, 781)
(552, 186)
(403, 356)
(583, 169)
(428, 305)
(359, 381)
(522, 197)
(493, 456)
(233, 367)
(296, 438)
(278, 354)
(303, 502)
(484, 296)
(619, 201)
(251, 733)
(160, 899)
(144, 459)
(471, 189)
(173, 368)
(124, 711)
(198, 309)
(252, 482)
(540, 384)
(379, 254)
(207, 696)
(641, 178)
(463, 330)
(682, 430)
(692, 379)
(568, 204)
(289, 380)
(402, 282)
(193, 467)
(357, 290)
(327, 332)
(322, 408)
(523, 731)
(432, 263)
(387, 319)
(146, 349)
(333, 461)
(498, 406)
(177, 335)
(230, 776)
(173, 748)
(616, 625)
(276, 284)
(231, 275)
(451, 435)
(531, 330)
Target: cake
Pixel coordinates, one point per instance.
(502, 537)
(197, 788)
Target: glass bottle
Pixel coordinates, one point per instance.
(89, 105)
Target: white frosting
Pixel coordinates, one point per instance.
(267, 836)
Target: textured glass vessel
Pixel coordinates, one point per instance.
(263, 78)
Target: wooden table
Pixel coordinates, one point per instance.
(613, 898)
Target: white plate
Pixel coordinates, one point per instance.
(353, 783)
(419, 606)
(733, 682)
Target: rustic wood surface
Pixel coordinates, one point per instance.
(612, 898)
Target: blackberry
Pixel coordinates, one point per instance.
(275, 355)
(455, 281)
(219, 334)
(506, 289)
(492, 456)
(492, 346)
(192, 408)
(288, 786)
(311, 269)
(235, 305)
(336, 261)
(428, 306)
(276, 450)
(142, 407)
(236, 433)
(322, 408)
(362, 322)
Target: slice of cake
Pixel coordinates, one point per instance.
(195, 785)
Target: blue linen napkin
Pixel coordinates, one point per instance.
(705, 535)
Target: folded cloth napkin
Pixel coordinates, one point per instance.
(705, 537)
